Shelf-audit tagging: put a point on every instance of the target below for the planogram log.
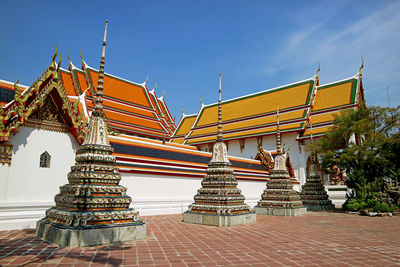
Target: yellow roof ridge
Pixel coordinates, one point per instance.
(260, 92)
(356, 76)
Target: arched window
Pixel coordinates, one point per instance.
(45, 159)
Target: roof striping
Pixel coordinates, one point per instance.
(252, 115)
(335, 95)
(67, 82)
(185, 124)
(330, 100)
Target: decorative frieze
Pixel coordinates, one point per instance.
(6, 150)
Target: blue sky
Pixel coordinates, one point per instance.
(184, 45)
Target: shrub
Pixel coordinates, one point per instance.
(394, 208)
(352, 205)
(381, 207)
(372, 203)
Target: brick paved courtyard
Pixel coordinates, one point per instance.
(316, 239)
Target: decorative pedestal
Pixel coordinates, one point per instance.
(74, 237)
(219, 202)
(279, 198)
(276, 211)
(92, 209)
(313, 193)
(219, 220)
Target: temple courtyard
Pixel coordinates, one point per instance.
(315, 239)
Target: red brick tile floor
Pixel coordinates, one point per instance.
(316, 239)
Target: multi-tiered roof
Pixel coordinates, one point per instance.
(253, 115)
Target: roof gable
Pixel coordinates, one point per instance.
(16, 113)
(255, 114)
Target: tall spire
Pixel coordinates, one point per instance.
(98, 99)
(219, 136)
(278, 133)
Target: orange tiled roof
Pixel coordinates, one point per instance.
(7, 91)
(329, 101)
(252, 115)
(129, 106)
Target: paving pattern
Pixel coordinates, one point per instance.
(316, 239)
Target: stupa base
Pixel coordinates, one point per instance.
(72, 237)
(219, 219)
(275, 211)
(319, 207)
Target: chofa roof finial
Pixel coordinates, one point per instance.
(362, 66)
(54, 56)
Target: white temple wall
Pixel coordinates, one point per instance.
(298, 154)
(26, 190)
(156, 194)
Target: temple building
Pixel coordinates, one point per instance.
(250, 123)
(162, 164)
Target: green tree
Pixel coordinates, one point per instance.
(364, 143)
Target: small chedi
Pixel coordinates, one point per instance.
(279, 198)
(219, 202)
(313, 193)
(92, 209)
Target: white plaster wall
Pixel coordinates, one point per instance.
(24, 180)
(298, 154)
(26, 190)
(153, 195)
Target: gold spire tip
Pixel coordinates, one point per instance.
(362, 66)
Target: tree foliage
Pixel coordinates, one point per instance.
(364, 143)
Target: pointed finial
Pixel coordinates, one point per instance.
(201, 101)
(278, 134)
(69, 60)
(147, 78)
(317, 75)
(155, 86)
(83, 61)
(55, 54)
(15, 85)
(362, 66)
(219, 136)
(59, 63)
(182, 110)
(98, 99)
(163, 94)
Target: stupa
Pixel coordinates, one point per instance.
(313, 193)
(219, 202)
(279, 198)
(92, 209)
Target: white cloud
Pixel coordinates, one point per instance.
(375, 36)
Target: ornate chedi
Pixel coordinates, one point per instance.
(313, 193)
(279, 198)
(219, 202)
(92, 209)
